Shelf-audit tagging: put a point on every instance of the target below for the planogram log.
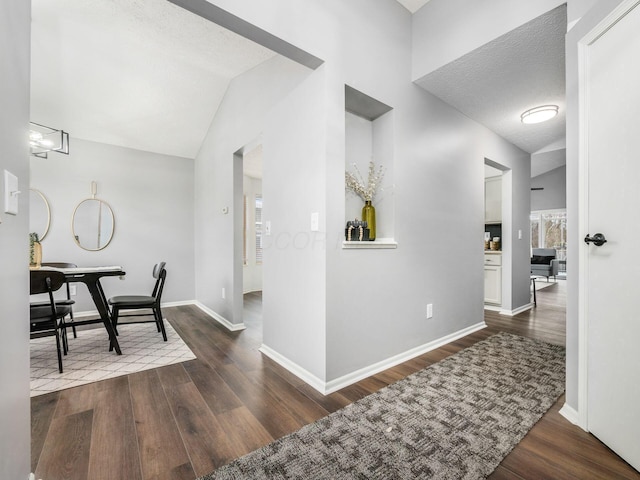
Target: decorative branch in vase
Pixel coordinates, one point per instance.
(355, 182)
(35, 250)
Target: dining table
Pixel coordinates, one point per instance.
(91, 276)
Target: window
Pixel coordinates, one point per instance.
(244, 230)
(535, 230)
(549, 230)
(258, 229)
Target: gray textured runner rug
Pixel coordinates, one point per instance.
(456, 419)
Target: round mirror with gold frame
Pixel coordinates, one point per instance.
(39, 213)
(93, 224)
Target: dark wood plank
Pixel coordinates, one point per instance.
(215, 392)
(274, 416)
(65, 454)
(245, 433)
(42, 410)
(114, 452)
(295, 401)
(195, 416)
(160, 445)
(203, 436)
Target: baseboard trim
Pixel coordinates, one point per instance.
(492, 308)
(294, 368)
(232, 327)
(334, 385)
(570, 414)
(94, 313)
(512, 313)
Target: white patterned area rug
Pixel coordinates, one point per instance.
(454, 420)
(90, 360)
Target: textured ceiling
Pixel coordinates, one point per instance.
(495, 83)
(143, 74)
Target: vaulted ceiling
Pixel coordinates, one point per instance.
(149, 75)
(144, 74)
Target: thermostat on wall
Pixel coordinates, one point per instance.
(11, 193)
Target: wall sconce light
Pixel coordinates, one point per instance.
(46, 139)
(539, 114)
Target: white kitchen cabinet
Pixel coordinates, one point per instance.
(493, 200)
(493, 278)
(492, 284)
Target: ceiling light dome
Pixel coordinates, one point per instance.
(539, 114)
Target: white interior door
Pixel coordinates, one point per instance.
(612, 87)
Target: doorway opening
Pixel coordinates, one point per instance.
(493, 241)
(252, 234)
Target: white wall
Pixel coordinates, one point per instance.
(371, 303)
(294, 186)
(588, 22)
(442, 33)
(554, 195)
(251, 272)
(15, 19)
(152, 199)
(239, 121)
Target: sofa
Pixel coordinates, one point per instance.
(544, 262)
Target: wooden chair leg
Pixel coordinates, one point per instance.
(59, 352)
(114, 319)
(158, 314)
(73, 327)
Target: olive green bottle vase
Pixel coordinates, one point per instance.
(369, 216)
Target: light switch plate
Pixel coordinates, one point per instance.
(11, 193)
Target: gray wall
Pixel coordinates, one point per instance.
(554, 195)
(151, 196)
(15, 18)
(294, 185)
(239, 121)
(360, 307)
(442, 33)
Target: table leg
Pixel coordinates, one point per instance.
(95, 289)
(533, 281)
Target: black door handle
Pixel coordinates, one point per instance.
(598, 239)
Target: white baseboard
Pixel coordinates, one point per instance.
(512, 313)
(329, 387)
(93, 313)
(570, 414)
(294, 368)
(493, 308)
(233, 327)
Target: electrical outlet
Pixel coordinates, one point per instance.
(73, 290)
(224, 293)
(429, 310)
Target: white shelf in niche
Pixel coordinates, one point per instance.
(376, 244)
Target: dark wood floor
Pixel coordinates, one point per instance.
(181, 421)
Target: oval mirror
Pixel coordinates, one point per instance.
(93, 224)
(39, 213)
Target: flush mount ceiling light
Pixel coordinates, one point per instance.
(539, 114)
(46, 139)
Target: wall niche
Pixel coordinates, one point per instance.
(369, 136)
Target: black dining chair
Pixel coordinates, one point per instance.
(142, 302)
(68, 301)
(47, 318)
